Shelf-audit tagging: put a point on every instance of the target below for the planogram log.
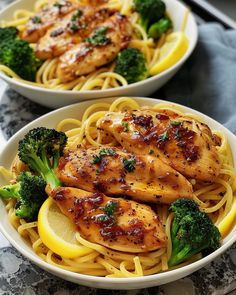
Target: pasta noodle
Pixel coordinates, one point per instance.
(103, 78)
(215, 199)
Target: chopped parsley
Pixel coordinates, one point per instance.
(125, 125)
(107, 152)
(110, 208)
(74, 27)
(175, 123)
(129, 164)
(164, 136)
(58, 5)
(104, 152)
(97, 172)
(37, 20)
(76, 15)
(151, 152)
(99, 37)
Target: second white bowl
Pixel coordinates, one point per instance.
(58, 98)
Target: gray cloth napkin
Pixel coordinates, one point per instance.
(207, 82)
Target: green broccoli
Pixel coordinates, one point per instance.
(131, 64)
(17, 54)
(41, 149)
(29, 192)
(8, 33)
(150, 11)
(160, 27)
(192, 232)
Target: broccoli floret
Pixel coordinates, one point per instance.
(29, 192)
(131, 64)
(41, 149)
(150, 11)
(17, 54)
(192, 232)
(8, 33)
(160, 27)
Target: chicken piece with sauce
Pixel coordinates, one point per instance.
(115, 172)
(38, 25)
(100, 48)
(114, 223)
(185, 144)
(71, 30)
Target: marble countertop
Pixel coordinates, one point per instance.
(19, 276)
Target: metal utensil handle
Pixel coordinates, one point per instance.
(210, 13)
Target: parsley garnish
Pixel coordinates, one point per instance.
(125, 125)
(76, 15)
(37, 20)
(58, 5)
(74, 27)
(97, 172)
(99, 37)
(110, 208)
(129, 164)
(107, 152)
(104, 152)
(151, 152)
(164, 136)
(175, 123)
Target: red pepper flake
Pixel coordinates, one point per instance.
(162, 117)
(191, 153)
(143, 121)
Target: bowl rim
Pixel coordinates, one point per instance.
(110, 91)
(87, 279)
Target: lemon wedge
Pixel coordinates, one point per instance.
(171, 52)
(57, 231)
(226, 225)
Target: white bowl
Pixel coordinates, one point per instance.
(55, 99)
(75, 111)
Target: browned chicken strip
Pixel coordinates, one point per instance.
(115, 172)
(102, 47)
(183, 143)
(38, 25)
(114, 223)
(71, 30)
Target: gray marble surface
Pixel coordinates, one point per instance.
(19, 276)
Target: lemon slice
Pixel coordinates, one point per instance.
(57, 231)
(226, 225)
(171, 52)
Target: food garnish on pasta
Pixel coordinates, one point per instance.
(130, 206)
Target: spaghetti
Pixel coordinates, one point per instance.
(104, 77)
(217, 199)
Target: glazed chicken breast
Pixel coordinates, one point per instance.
(115, 172)
(100, 48)
(185, 144)
(114, 223)
(38, 25)
(71, 30)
